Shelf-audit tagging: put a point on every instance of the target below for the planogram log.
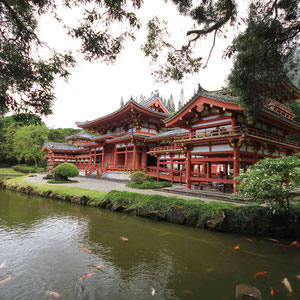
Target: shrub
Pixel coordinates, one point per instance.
(25, 169)
(138, 176)
(149, 177)
(149, 185)
(65, 170)
(271, 181)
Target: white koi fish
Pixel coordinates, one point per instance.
(3, 265)
(52, 294)
(287, 284)
(153, 291)
(5, 280)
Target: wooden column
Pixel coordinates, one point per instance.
(144, 158)
(95, 158)
(134, 155)
(103, 156)
(236, 164)
(47, 165)
(126, 157)
(115, 155)
(208, 170)
(157, 170)
(172, 167)
(188, 169)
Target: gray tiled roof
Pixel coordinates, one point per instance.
(150, 100)
(60, 146)
(81, 135)
(168, 133)
(127, 104)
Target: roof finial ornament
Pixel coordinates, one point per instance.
(200, 88)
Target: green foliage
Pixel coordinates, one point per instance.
(55, 181)
(28, 142)
(271, 181)
(138, 176)
(262, 54)
(149, 185)
(27, 169)
(149, 177)
(65, 170)
(58, 135)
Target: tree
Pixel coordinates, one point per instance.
(65, 170)
(28, 142)
(271, 181)
(27, 80)
(171, 105)
(121, 102)
(181, 101)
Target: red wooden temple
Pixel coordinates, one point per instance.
(209, 136)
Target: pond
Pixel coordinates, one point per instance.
(50, 248)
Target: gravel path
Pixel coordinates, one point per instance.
(105, 185)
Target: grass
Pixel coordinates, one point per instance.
(61, 190)
(54, 181)
(10, 172)
(149, 185)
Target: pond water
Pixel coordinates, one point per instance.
(47, 247)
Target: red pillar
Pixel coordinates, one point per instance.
(103, 156)
(171, 167)
(134, 155)
(115, 156)
(188, 169)
(158, 165)
(126, 157)
(236, 163)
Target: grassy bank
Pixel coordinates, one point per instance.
(4, 173)
(219, 216)
(149, 185)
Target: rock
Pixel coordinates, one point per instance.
(216, 221)
(191, 221)
(200, 223)
(157, 215)
(176, 214)
(142, 212)
(30, 189)
(132, 211)
(84, 199)
(117, 207)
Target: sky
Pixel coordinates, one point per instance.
(95, 89)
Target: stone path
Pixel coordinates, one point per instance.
(105, 185)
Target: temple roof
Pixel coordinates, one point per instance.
(168, 133)
(148, 102)
(60, 147)
(82, 135)
(115, 116)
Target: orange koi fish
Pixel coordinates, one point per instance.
(298, 277)
(124, 239)
(165, 233)
(295, 244)
(249, 240)
(259, 274)
(86, 250)
(52, 294)
(87, 275)
(237, 247)
(7, 279)
(272, 292)
(282, 245)
(98, 267)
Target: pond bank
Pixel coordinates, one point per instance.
(218, 216)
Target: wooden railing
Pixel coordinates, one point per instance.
(208, 134)
(174, 148)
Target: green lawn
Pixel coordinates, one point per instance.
(10, 172)
(61, 190)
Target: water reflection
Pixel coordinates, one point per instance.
(42, 241)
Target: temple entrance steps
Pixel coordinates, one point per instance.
(182, 190)
(115, 175)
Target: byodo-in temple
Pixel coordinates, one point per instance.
(207, 141)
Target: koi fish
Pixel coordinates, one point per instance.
(165, 233)
(7, 279)
(282, 245)
(249, 240)
(153, 291)
(98, 267)
(237, 247)
(52, 294)
(86, 275)
(124, 239)
(295, 244)
(3, 265)
(188, 292)
(273, 240)
(209, 270)
(86, 250)
(272, 292)
(298, 277)
(287, 284)
(259, 274)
